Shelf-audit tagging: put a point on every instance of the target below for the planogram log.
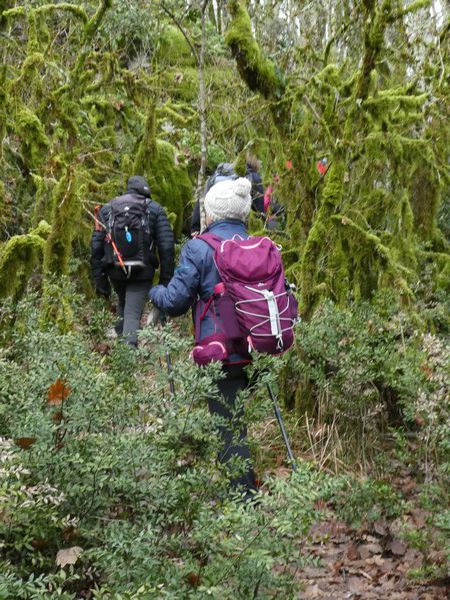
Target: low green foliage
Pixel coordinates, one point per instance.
(365, 501)
(98, 456)
(364, 369)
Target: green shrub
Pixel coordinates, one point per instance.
(108, 462)
(360, 371)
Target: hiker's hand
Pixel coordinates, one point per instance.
(103, 287)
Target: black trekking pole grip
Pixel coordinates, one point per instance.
(170, 373)
(283, 430)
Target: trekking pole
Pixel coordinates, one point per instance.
(283, 430)
(170, 372)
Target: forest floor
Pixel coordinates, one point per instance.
(360, 563)
(372, 561)
(130, 463)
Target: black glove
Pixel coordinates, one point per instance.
(103, 287)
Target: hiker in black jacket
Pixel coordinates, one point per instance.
(128, 231)
(257, 193)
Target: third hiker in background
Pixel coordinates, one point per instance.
(257, 191)
(226, 172)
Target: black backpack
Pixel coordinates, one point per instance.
(129, 227)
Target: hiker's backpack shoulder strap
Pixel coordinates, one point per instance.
(105, 213)
(149, 206)
(212, 240)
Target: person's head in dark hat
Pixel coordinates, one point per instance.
(138, 185)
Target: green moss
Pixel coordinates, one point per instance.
(90, 29)
(173, 48)
(241, 163)
(180, 85)
(3, 106)
(42, 204)
(5, 5)
(167, 112)
(19, 258)
(21, 11)
(75, 9)
(57, 306)
(34, 141)
(147, 146)
(65, 217)
(169, 181)
(258, 72)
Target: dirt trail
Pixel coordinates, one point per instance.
(361, 564)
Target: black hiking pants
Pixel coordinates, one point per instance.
(132, 296)
(231, 429)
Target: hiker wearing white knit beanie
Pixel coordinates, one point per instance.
(228, 200)
(194, 285)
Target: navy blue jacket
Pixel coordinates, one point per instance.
(195, 276)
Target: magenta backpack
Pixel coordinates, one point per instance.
(257, 308)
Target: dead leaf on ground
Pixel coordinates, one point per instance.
(352, 552)
(70, 533)
(419, 517)
(24, 442)
(39, 543)
(320, 505)
(68, 556)
(311, 592)
(193, 579)
(102, 348)
(357, 585)
(58, 417)
(58, 392)
(381, 527)
(408, 486)
(368, 549)
(375, 560)
(397, 547)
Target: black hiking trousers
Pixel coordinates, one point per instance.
(132, 296)
(231, 429)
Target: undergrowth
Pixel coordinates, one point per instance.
(110, 486)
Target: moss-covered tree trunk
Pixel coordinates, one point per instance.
(355, 228)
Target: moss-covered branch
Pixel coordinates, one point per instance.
(22, 11)
(65, 213)
(90, 30)
(260, 73)
(19, 258)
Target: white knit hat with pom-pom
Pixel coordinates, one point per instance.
(229, 200)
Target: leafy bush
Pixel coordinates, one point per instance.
(362, 370)
(110, 484)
